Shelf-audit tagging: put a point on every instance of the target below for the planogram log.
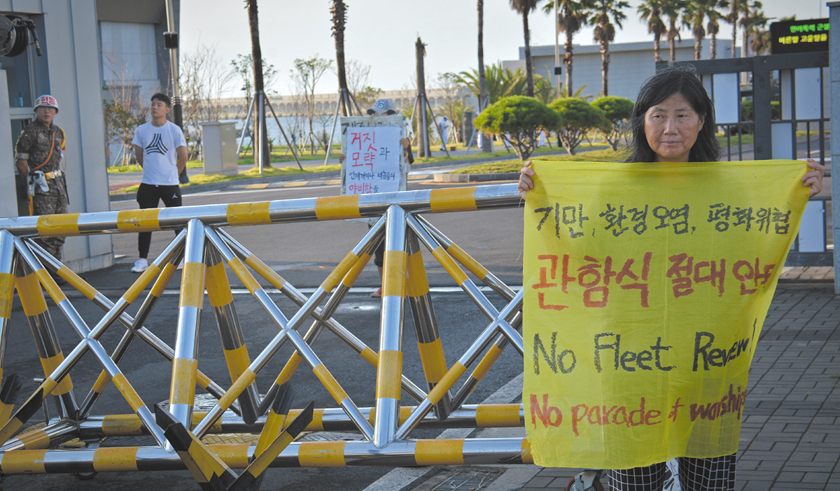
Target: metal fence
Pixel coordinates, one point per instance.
(208, 253)
(789, 101)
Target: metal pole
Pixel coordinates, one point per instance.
(276, 120)
(440, 132)
(233, 339)
(425, 324)
(185, 364)
(834, 52)
(245, 129)
(170, 41)
(388, 371)
(261, 131)
(335, 120)
(556, 46)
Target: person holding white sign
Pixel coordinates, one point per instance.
(356, 181)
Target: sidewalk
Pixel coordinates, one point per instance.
(790, 439)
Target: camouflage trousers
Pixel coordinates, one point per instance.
(53, 203)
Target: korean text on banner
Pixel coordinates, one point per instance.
(373, 155)
(646, 287)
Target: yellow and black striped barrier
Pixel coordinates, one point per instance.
(208, 252)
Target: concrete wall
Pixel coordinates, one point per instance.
(630, 64)
(71, 53)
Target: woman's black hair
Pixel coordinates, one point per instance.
(680, 79)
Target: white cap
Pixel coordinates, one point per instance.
(382, 106)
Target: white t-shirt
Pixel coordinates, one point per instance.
(159, 157)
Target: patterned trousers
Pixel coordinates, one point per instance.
(53, 203)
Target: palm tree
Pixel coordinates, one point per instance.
(672, 9)
(749, 11)
(732, 18)
(500, 82)
(523, 7)
(650, 12)
(759, 37)
(571, 16)
(605, 13)
(256, 54)
(713, 28)
(694, 16)
(339, 18)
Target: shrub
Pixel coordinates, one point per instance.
(617, 110)
(517, 119)
(576, 118)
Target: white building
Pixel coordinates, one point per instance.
(630, 63)
(71, 69)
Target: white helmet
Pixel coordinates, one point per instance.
(46, 100)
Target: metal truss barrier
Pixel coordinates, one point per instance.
(208, 253)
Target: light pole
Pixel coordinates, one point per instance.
(556, 46)
(170, 42)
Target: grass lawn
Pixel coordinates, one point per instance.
(196, 179)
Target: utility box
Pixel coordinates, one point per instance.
(219, 140)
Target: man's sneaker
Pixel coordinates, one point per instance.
(377, 293)
(140, 265)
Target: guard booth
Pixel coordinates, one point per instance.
(778, 107)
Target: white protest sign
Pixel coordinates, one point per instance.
(373, 155)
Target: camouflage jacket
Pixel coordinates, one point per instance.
(34, 145)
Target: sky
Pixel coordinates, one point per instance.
(382, 34)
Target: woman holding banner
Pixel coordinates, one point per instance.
(674, 121)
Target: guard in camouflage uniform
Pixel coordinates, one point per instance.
(40, 150)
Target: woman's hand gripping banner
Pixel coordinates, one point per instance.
(646, 287)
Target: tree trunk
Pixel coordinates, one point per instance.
(713, 47)
(745, 49)
(529, 69)
(338, 31)
(734, 37)
(698, 47)
(605, 65)
(672, 43)
(483, 102)
(567, 60)
(256, 57)
(423, 125)
(657, 49)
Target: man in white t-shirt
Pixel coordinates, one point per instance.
(161, 151)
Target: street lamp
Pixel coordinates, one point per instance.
(170, 42)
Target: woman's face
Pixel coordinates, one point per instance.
(671, 128)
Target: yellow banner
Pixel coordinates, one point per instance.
(646, 287)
